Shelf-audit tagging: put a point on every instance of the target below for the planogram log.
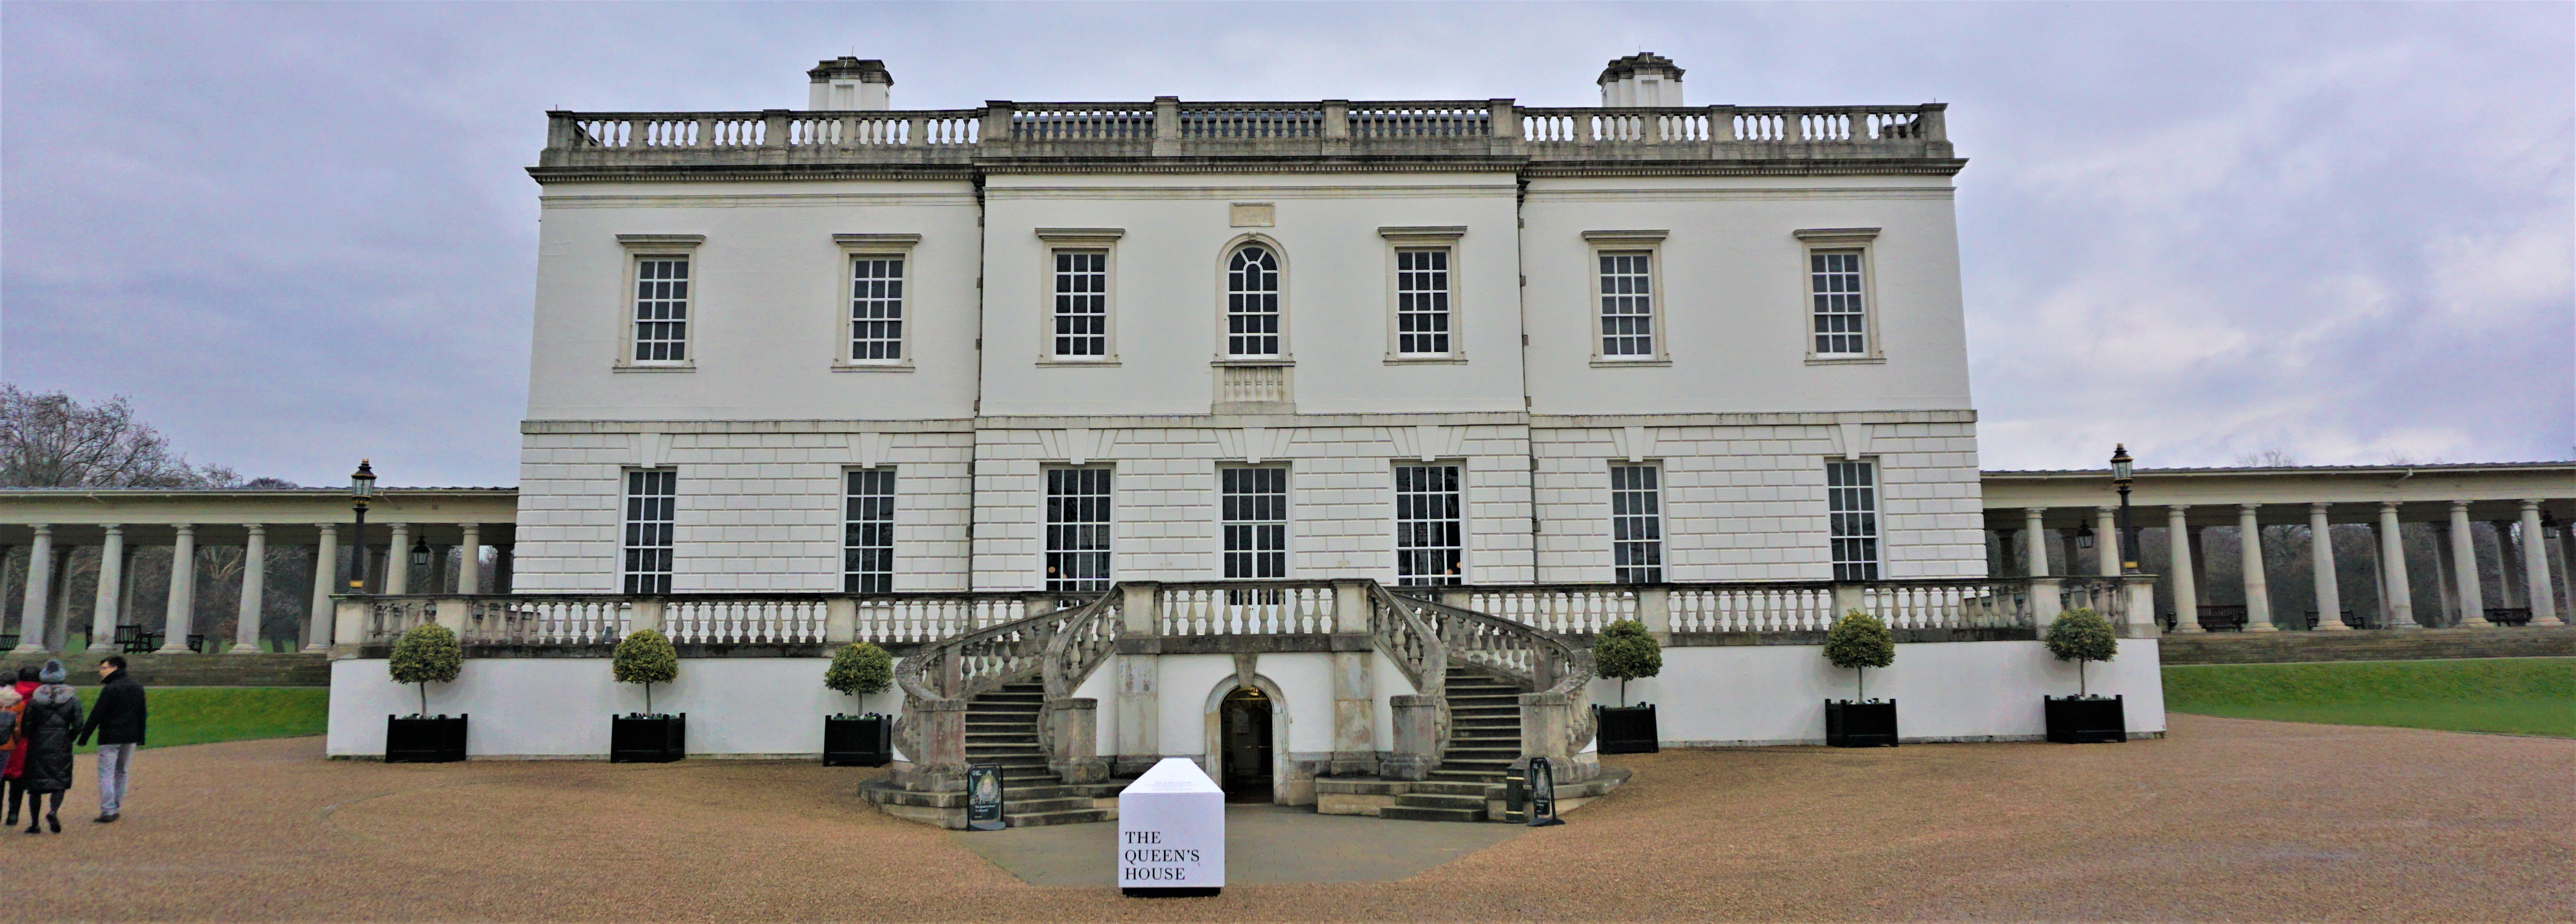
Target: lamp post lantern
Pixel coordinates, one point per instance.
(2122, 475)
(362, 489)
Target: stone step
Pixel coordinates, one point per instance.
(1012, 806)
(1436, 800)
(1409, 813)
(1442, 788)
(1065, 817)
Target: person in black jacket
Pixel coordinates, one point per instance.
(118, 719)
(46, 732)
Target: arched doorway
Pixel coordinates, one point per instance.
(1244, 721)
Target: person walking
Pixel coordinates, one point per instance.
(117, 718)
(17, 763)
(52, 713)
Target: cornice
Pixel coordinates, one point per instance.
(1521, 166)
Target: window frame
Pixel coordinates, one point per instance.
(1108, 524)
(1662, 567)
(856, 247)
(637, 249)
(627, 521)
(1876, 563)
(1658, 305)
(1287, 355)
(1285, 524)
(852, 579)
(1395, 484)
(1422, 238)
(1057, 240)
(1815, 241)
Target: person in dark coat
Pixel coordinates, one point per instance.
(117, 718)
(46, 730)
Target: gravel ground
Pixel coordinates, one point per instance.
(2227, 820)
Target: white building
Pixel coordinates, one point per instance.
(1518, 307)
(1699, 365)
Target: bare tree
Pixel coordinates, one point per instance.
(50, 440)
(2273, 457)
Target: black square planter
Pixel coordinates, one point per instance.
(858, 741)
(1860, 725)
(1626, 729)
(648, 739)
(2091, 720)
(433, 740)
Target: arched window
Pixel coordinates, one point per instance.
(1252, 302)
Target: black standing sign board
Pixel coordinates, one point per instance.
(984, 798)
(1542, 789)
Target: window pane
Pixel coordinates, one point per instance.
(651, 503)
(1077, 530)
(1636, 524)
(1081, 303)
(1627, 306)
(1253, 506)
(1835, 283)
(876, 308)
(1851, 505)
(661, 309)
(1422, 302)
(1428, 533)
(1252, 303)
(867, 533)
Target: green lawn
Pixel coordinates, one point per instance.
(201, 715)
(2522, 696)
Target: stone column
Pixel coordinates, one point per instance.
(58, 630)
(254, 591)
(2199, 568)
(40, 591)
(2511, 584)
(469, 569)
(2034, 542)
(326, 571)
(2567, 568)
(2444, 580)
(398, 561)
(2106, 541)
(501, 568)
(2396, 601)
(2535, 568)
(2321, 562)
(2186, 594)
(111, 590)
(183, 592)
(2258, 597)
(2464, 562)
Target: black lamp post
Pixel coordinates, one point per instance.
(2121, 476)
(362, 489)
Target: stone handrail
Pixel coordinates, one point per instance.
(1082, 643)
(1170, 128)
(941, 677)
(1556, 719)
(1400, 628)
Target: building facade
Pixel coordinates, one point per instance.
(1053, 346)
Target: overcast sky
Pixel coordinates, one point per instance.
(297, 235)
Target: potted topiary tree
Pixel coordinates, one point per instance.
(2081, 635)
(647, 737)
(425, 655)
(858, 669)
(1858, 642)
(1624, 650)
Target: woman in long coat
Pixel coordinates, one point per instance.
(25, 687)
(46, 735)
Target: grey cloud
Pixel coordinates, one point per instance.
(301, 234)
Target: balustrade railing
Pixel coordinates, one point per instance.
(1253, 129)
(1249, 608)
(1580, 609)
(1765, 607)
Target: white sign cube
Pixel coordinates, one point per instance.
(1171, 831)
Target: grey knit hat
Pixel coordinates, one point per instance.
(52, 673)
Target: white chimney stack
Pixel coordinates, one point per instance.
(850, 83)
(1641, 80)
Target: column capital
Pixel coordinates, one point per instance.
(2531, 504)
(2106, 508)
(256, 529)
(2320, 506)
(114, 529)
(185, 529)
(45, 530)
(2248, 508)
(329, 529)
(2178, 508)
(2388, 506)
(2459, 506)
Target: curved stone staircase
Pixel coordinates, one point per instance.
(1484, 740)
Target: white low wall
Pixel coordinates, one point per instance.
(1946, 691)
(560, 707)
(1707, 696)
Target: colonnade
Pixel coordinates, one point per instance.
(2525, 558)
(47, 593)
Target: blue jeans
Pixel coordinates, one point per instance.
(113, 762)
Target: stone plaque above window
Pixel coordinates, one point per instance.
(1254, 215)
